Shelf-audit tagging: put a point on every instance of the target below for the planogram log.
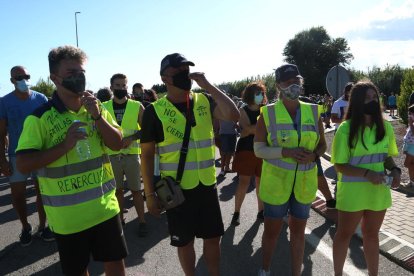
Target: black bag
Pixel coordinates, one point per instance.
(167, 189)
(169, 193)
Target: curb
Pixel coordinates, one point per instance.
(392, 247)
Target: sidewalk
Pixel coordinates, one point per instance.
(397, 231)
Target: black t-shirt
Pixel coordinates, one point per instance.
(246, 143)
(119, 111)
(152, 130)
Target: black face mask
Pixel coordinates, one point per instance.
(182, 81)
(138, 97)
(371, 108)
(120, 93)
(346, 97)
(75, 83)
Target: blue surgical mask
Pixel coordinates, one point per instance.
(22, 86)
(258, 99)
(292, 92)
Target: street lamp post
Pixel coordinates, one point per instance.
(76, 26)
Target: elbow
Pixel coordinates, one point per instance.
(21, 165)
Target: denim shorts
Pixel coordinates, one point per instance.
(408, 149)
(292, 206)
(16, 175)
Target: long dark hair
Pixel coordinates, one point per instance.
(355, 114)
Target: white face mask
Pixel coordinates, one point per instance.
(292, 92)
(22, 86)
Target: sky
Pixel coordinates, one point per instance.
(228, 40)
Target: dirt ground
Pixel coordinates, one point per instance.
(399, 130)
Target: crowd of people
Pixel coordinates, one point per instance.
(83, 150)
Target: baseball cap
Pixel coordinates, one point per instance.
(286, 72)
(348, 86)
(174, 60)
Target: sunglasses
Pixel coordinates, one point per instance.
(22, 77)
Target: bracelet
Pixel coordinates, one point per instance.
(99, 117)
(366, 172)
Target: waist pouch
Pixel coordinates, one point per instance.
(169, 193)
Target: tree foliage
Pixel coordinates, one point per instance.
(407, 87)
(315, 52)
(46, 87)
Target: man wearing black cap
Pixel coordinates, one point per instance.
(163, 127)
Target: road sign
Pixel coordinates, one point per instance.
(336, 79)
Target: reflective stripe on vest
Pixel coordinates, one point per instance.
(368, 159)
(188, 165)
(274, 127)
(291, 166)
(80, 197)
(192, 145)
(73, 169)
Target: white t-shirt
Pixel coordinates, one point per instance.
(339, 108)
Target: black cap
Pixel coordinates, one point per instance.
(286, 72)
(348, 86)
(174, 60)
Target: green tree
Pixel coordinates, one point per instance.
(407, 87)
(45, 87)
(388, 79)
(159, 88)
(315, 52)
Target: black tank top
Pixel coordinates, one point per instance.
(246, 143)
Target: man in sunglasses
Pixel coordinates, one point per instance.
(14, 108)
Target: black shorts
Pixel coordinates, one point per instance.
(199, 216)
(105, 242)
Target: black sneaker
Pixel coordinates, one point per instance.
(331, 204)
(235, 221)
(260, 215)
(142, 230)
(26, 236)
(45, 234)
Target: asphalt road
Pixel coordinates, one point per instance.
(152, 255)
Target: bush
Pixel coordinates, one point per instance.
(406, 88)
(46, 87)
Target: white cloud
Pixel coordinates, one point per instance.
(389, 20)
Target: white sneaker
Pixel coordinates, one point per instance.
(262, 272)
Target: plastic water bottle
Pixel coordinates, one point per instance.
(82, 146)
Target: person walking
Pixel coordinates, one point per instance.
(289, 137)
(128, 114)
(362, 151)
(245, 163)
(65, 140)
(163, 127)
(14, 109)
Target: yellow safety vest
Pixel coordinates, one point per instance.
(199, 166)
(282, 176)
(77, 194)
(378, 197)
(129, 125)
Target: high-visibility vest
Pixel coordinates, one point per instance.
(77, 194)
(199, 165)
(359, 157)
(283, 175)
(129, 125)
(377, 197)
